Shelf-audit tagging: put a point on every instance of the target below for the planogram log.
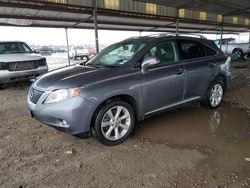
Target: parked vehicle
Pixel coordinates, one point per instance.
(45, 50)
(92, 52)
(59, 50)
(78, 52)
(18, 62)
(236, 50)
(128, 82)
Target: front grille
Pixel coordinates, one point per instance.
(34, 95)
(23, 65)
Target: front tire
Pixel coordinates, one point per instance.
(114, 122)
(215, 94)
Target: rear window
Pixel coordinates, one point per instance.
(209, 51)
(190, 49)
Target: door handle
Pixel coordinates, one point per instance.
(211, 65)
(179, 71)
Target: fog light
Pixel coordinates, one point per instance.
(64, 124)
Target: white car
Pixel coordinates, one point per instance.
(19, 62)
(78, 52)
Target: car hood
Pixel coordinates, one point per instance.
(72, 76)
(19, 57)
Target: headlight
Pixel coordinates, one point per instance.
(3, 66)
(62, 94)
(42, 62)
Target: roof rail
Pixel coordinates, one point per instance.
(130, 38)
(169, 34)
(182, 34)
(191, 35)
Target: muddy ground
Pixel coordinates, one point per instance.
(188, 147)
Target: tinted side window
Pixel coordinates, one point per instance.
(164, 51)
(209, 51)
(190, 49)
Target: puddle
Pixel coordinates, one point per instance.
(196, 125)
(225, 131)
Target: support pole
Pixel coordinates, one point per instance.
(177, 26)
(249, 37)
(177, 22)
(96, 26)
(67, 40)
(221, 32)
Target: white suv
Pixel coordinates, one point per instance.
(19, 62)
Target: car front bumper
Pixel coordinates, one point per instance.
(72, 115)
(14, 76)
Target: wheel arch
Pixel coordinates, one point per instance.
(237, 49)
(124, 97)
(224, 80)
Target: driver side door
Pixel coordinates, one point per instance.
(163, 84)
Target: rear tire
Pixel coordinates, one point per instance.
(114, 122)
(1, 86)
(239, 53)
(215, 94)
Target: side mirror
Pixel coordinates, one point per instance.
(148, 63)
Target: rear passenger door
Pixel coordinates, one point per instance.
(163, 85)
(198, 67)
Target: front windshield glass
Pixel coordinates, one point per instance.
(117, 54)
(14, 47)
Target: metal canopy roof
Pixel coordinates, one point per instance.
(222, 7)
(194, 16)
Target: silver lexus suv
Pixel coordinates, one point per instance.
(128, 82)
(18, 62)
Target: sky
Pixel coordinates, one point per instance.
(53, 36)
(46, 36)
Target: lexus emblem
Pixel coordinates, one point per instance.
(31, 93)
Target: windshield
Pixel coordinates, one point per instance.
(14, 47)
(117, 54)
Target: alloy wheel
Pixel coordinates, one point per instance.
(115, 123)
(216, 95)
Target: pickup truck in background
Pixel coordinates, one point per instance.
(235, 50)
(78, 52)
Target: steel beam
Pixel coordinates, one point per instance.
(177, 26)
(67, 41)
(221, 32)
(96, 27)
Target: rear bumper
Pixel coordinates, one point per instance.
(14, 76)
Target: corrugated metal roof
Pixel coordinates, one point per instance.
(130, 14)
(222, 7)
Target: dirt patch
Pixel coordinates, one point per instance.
(188, 147)
(239, 93)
